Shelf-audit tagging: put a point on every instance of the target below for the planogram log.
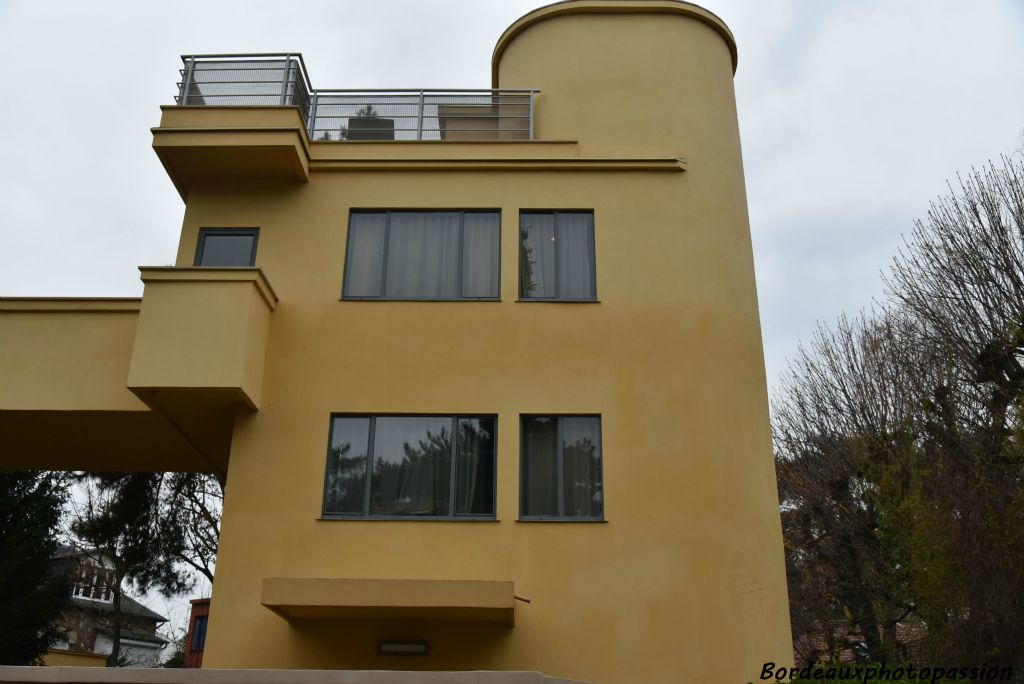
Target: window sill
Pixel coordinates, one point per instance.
(561, 519)
(386, 299)
(560, 301)
(407, 518)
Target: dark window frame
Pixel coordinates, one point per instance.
(523, 417)
(593, 250)
(452, 516)
(384, 264)
(233, 232)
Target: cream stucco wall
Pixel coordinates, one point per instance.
(686, 577)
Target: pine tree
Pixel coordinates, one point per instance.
(33, 589)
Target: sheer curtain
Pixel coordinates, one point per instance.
(423, 256)
(364, 261)
(581, 466)
(575, 249)
(537, 255)
(540, 466)
(480, 241)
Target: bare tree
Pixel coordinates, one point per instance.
(899, 441)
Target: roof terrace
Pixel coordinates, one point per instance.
(337, 115)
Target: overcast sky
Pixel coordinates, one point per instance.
(853, 113)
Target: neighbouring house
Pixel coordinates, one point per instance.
(86, 625)
(484, 382)
(195, 638)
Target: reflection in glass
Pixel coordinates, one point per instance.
(540, 466)
(346, 466)
(474, 469)
(411, 466)
(221, 250)
(581, 458)
(556, 256)
(537, 255)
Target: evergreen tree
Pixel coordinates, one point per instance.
(33, 589)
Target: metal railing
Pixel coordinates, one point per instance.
(337, 115)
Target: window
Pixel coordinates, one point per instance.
(94, 582)
(411, 467)
(556, 256)
(441, 255)
(199, 632)
(561, 468)
(225, 247)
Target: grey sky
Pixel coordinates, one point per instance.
(852, 113)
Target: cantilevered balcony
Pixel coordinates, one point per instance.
(338, 115)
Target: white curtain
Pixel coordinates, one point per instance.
(537, 255)
(423, 256)
(365, 257)
(574, 233)
(480, 254)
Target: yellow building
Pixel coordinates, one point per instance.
(482, 370)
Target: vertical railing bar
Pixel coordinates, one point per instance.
(311, 117)
(186, 82)
(531, 115)
(287, 77)
(419, 120)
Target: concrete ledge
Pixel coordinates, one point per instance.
(109, 675)
(314, 598)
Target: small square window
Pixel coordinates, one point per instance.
(226, 247)
(556, 256)
(561, 468)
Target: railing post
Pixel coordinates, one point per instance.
(311, 115)
(287, 79)
(531, 114)
(186, 81)
(419, 120)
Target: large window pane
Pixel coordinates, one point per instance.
(480, 254)
(365, 257)
(537, 255)
(411, 471)
(474, 470)
(226, 248)
(540, 466)
(346, 465)
(574, 247)
(423, 256)
(581, 462)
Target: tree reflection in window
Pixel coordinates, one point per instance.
(561, 467)
(416, 469)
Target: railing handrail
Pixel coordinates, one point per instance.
(279, 55)
(314, 99)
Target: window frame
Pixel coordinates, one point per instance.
(452, 516)
(523, 417)
(593, 249)
(384, 262)
(233, 232)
